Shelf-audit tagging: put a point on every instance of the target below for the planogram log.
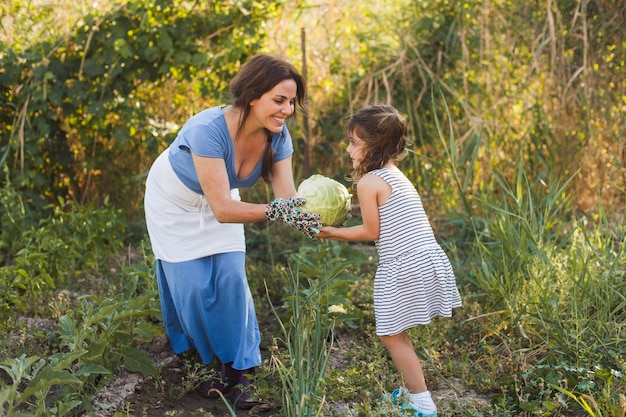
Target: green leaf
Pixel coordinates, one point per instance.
(65, 407)
(144, 331)
(65, 359)
(549, 405)
(92, 69)
(92, 368)
(67, 327)
(6, 394)
(97, 350)
(48, 279)
(164, 41)
(151, 54)
(47, 378)
(138, 361)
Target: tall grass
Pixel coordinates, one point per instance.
(307, 322)
(557, 281)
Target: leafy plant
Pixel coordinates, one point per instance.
(82, 115)
(307, 330)
(69, 244)
(105, 337)
(31, 381)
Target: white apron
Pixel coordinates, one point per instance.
(180, 222)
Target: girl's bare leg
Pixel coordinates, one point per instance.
(406, 361)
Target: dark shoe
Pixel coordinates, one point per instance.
(215, 387)
(212, 388)
(242, 392)
(243, 401)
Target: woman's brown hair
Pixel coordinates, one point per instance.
(258, 76)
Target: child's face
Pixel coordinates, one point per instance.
(356, 149)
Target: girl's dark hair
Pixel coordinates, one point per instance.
(385, 133)
(258, 76)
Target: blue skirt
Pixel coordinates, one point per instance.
(207, 306)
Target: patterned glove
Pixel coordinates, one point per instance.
(288, 212)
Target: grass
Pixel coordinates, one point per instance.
(541, 330)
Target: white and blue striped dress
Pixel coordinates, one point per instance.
(414, 279)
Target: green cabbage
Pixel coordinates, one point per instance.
(326, 197)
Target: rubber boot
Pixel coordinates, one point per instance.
(241, 391)
(215, 386)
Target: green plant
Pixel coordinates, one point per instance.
(108, 331)
(82, 103)
(72, 243)
(556, 282)
(32, 379)
(91, 348)
(307, 332)
(16, 216)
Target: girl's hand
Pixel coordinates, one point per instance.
(326, 232)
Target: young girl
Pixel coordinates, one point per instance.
(414, 279)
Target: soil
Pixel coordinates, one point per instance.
(155, 397)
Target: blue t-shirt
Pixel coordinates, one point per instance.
(206, 134)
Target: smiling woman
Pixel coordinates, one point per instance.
(266, 117)
(195, 218)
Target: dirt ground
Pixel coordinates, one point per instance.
(149, 397)
(155, 397)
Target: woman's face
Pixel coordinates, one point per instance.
(275, 106)
(356, 149)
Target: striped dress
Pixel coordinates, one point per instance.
(414, 279)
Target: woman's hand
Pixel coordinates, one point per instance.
(289, 212)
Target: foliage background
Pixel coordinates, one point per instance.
(92, 94)
(517, 112)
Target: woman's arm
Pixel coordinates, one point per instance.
(372, 192)
(216, 187)
(282, 179)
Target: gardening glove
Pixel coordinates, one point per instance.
(289, 212)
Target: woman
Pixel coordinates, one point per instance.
(195, 218)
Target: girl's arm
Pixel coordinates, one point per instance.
(372, 192)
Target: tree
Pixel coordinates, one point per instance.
(83, 113)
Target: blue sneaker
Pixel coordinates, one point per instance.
(417, 413)
(400, 397)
